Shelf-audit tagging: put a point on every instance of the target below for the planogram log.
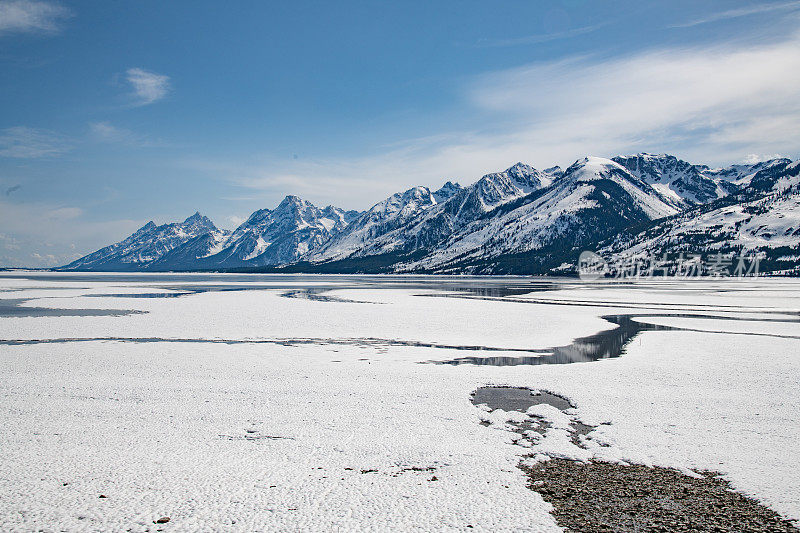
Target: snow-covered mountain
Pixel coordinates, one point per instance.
(679, 183)
(373, 231)
(446, 191)
(521, 220)
(148, 244)
(685, 185)
(592, 199)
(418, 219)
(741, 175)
(762, 219)
(268, 237)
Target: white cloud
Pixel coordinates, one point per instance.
(105, 131)
(64, 213)
(741, 12)
(234, 221)
(45, 260)
(148, 87)
(27, 16)
(9, 242)
(27, 143)
(752, 159)
(108, 133)
(710, 104)
(40, 234)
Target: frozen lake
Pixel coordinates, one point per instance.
(269, 402)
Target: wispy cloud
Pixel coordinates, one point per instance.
(107, 132)
(712, 103)
(148, 87)
(43, 234)
(31, 16)
(234, 221)
(539, 38)
(708, 103)
(9, 242)
(741, 12)
(64, 213)
(29, 143)
(752, 159)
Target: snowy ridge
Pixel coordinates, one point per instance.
(680, 183)
(741, 175)
(521, 220)
(372, 232)
(149, 243)
(282, 235)
(764, 220)
(431, 223)
(643, 195)
(569, 209)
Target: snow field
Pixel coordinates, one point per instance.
(350, 437)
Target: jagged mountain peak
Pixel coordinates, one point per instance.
(147, 227)
(337, 213)
(681, 183)
(554, 172)
(407, 200)
(271, 236)
(145, 246)
(652, 157)
(295, 206)
(196, 217)
(740, 174)
(657, 164)
(199, 223)
(292, 200)
(593, 167)
(446, 191)
(517, 180)
(520, 168)
(417, 192)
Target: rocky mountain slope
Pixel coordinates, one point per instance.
(147, 244)
(521, 220)
(761, 220)
(418, 219)
(273, 237)
(593, 199)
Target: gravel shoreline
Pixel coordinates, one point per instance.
(600, 496)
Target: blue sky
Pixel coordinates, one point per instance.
(116, 113)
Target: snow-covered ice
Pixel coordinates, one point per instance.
(347, 430)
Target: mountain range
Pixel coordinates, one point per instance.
(518, 221)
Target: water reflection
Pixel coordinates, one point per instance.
(606, 344)
(517, 398)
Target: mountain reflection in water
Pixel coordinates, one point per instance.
(606, 344)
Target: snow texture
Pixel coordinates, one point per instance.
(350, 435)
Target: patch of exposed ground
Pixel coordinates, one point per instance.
(599, 496)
